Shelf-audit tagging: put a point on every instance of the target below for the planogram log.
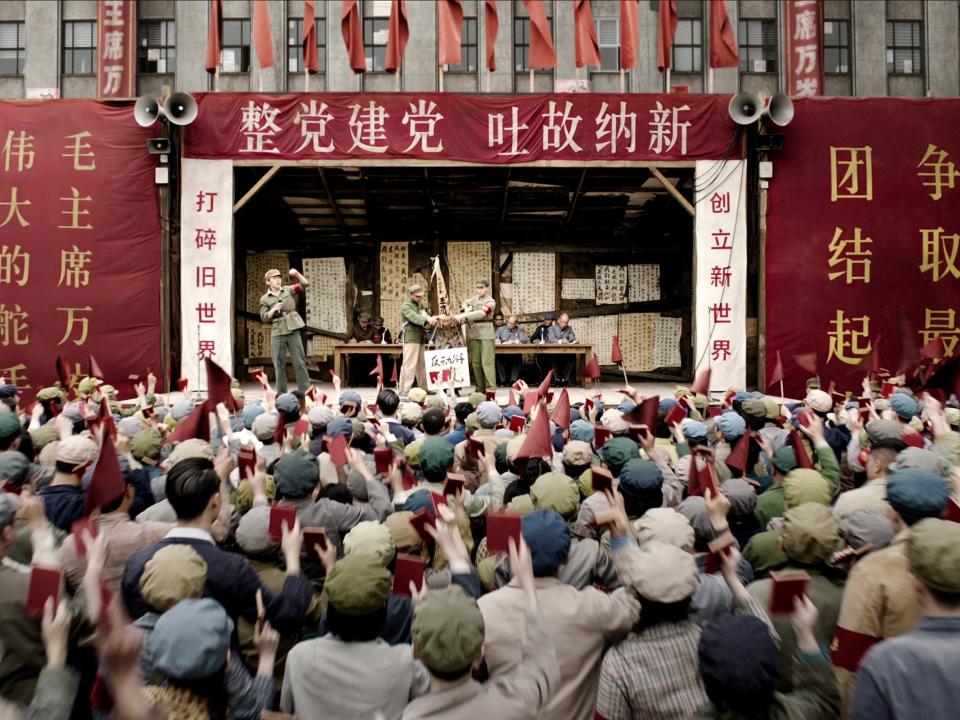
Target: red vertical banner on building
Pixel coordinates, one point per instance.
(116, 48)
(803, 47)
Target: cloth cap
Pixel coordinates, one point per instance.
(146, 444)
(265, 426)
(359, 584)
(192, 449)
(666, 405)
(174, 573)
(340, 426)
(350, 396)
(9, 425)
(476, 398)
(436, 455)
(447, 630)
(617, 451)
(903, 405)
(752, 407)
(411, 453)
(77, 450)
(953, 416)
(50, 393)
(8, 391)
(182, 408)
(481, 282)
(773, 408)
(129, 426)
(885, 433)
(511, 411)
(738, 657)
(665, 525)
(917, 494)
(638, 476)
(415, 289)
(320, 416)
(252, 533)
(626, 405)
(557, 492)
(819, 401)
(405, 537)
(613, 421)
(41, 437)
(488, 414)
(74, 413)
(287, 403)
(914, 457)
(513, 447)
(784, 459)
(867, 526)
(417, 395)
(434, 401)
(470, 422)
(731, 425)
(548, 536)
(87, 386)
(250, 413)
(664, 573)
(271, 273)
(582, 430)
(190, 640)
(577, 452)
(14, 467)
(810, 533)
(803, 485)
(694, 431)
(742, 496)
(694, 509)
(243, 499)
(934, 554)
(372, 538)
(296, 474)
(410, 413)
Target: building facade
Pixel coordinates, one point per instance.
(908, 48)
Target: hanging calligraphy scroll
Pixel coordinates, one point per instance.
(394, 271)
(611, 284)
(596, 331)
(467, 262)
(636, 341)
(643, 283)
(534, 283)
(666, 341)
(326, 294)
(578, 288)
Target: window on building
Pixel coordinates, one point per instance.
(12, 48)
(295, 44)
(758, 46)
(156, 46)
(375, 31)
(836, 47)
(79, 47)
(688, 46)
(608, 37)
(904, 47)
(235, 47)
(521, 42)
(468, 47)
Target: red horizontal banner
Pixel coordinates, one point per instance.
(439, 126)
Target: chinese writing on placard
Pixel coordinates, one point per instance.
(611, 284)
(326, 294)
(534, 283)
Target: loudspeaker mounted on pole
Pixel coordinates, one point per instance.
(779, 109)
(745, 108)
(180, 108)
(146, 111)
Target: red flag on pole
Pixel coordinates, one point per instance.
(218, 386)
(105, 419)
(262, 41)
(511, 398)
(871, 361)
(195, 425)
(214, 33)
(800, 451)
(629, 29)
(723, 44)
(591, 371)
(933, 350)
(94, 370)
(667, 19)
(542, 54)
(397, 36)
(491, 23)
(106, 481)
(616, 357)
(378, 369)
(544, 387)
(807, 361)
(351, 27)
(701, 384)
(62, 374)
(393, 374)
(538, 442)
(909, 354)
(777, 374)
(449, 28)
(586, 46)
(561, 411)
(311, 60)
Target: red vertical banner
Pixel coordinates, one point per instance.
(116, 49)
(803, 47)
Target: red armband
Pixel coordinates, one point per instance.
(848, 648)
(296, 289)
(487, 309)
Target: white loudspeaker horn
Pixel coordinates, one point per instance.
(180, 108)
(780, 110)
(147, 111)
(745, 108)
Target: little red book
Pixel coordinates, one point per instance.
(278, 513)
(408, 568)
(501, 526)
(787, 585)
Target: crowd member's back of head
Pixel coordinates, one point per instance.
(461, 410)
(191, 485)
(388, 401)
(432, 421)
(337, 493)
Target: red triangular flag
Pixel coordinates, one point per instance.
(351, 28)
(393, 373)
(667, 20)
(541, 53)
(182, 384)
(616, 357)
(311, 60)
(561, 411)
(800, 451)
(693, 478)
(397, 36)
(586, 46)
(378, 368)
(544, 388)
(262, 41)
(629, 30)
(871, 361)
(104, 419)
(281, 430)
(214, 33)
(537, 443)
(491, 24)
(218, 386)
(701, 384)
(511, 398)
(737, 459)
(808, 361)
(530, 401)
(195, 425)
(591, 371)
(946, 377)
(723, 44)
(777, 374)
(933, 350)
(63, 375)
(93, 369)
(449, 28)
(106, 482)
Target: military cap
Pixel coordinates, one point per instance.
(752, 407)
(471, 423)
(488, 414)
(411, 453)
(665, 525)
(476, 398)
(577, 452)
(731, 425)
(296, 474)
(410, 413)
(694, 431)
(243, 499)
(146, 444)
(819, 401)
(14, 467)
(917, 494)
(934, 554)
(41, 437)
(9, 425)
(903, 405)
(434, 402)
(359, 584)
(288, 403)
(557, 492)
(273, 272)
(885, 433)
(174, 573)
(639, 476)
(50, 393)
(436, 455)
(617, 451)
(417, 395)
(664, 573)
(372, 538)
(810, 533)
(405, 537)
(548, 536)
(803, 485)
(784, 459)
(77, 450)
(191, 449)
(447, 630)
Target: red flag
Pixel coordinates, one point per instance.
(871, 361)
(946, 377)
(667, 20)
(281, 430)
(378, 369)
(587, 49)
(393, 374)
(542, 54)
(544, 387)
(777, 374)
(629, 29)
(218, 386)
(261, 34)
(449, 28)
(214, 33)
(63, 374)
(104, 419)
(94, 370)
(311, 61)
(807, 361)
(737, 459)
(800, 451)
(182, 384)
(530, 401)
(723, 45)
(491, 24)
(106, 482)
(616, 357)
(195, 425)
(648, 411)
(538, 442)
(511, 398)
(351, 27)
(933, 350)
(397, 36)
(561, 411)
(591, 371)
(701, 384)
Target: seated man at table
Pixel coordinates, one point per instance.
(361, 365)
(563, 365)
(380, 333)
(543, 329)
(363, 329)
(508, 366)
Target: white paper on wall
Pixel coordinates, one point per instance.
(534, 283)
(326, 294)
(611, 284)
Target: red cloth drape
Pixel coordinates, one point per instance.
(491, 25)
(311, 61)
(397, 36)
(542, 54)
(214, 32)
(449, 28)
(262, 41)
(723, 44)
(667, 27)
(628, 34)
(351, 27)
(587, 49)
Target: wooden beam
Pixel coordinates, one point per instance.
(573, 202)
(333, 204)
(673, 191)
(256, 187)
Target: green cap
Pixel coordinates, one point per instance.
(754, 408)
(371, 538)
(243, 500)
(447, 630)
(434, 401)
(359, 584)
(146, 444)
(784, 459)
(934, 554)
(557, 492)
(476, 398)
(411, 453)
(50, 393)
(471, 423)
(41, 437)
(436, 455)
(803, 485)
(810, 533)
(617, 451)
(9, 425)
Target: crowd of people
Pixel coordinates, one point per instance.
(623, 557)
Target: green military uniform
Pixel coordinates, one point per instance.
(413, 368)
(478, 312)
(285, 335)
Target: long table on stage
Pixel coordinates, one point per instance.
(583, 353)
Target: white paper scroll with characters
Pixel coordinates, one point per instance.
(467, 262)
(446, 366)
(534, 283)
(326, 294)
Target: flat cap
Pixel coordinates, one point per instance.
(436, 455)
(917, 494)
(617, 451)
(613, 421)
(582, 430)
(742, 496)
(372, 538)
(447, 630)
(665, 525)
(810, 533)
(885, 433)
(738, 656)
(14, 467)
(9, 425)
(934, 554)
(577, 452)
(265, 426)
(192, 449)
(557, 492)
(405, 537)
(867, 526)
(819, 401)
(694, 431)
(174, 573)
(190, 640)
(784, 459)
(253, 534)
(488, 414)
(731, 425)
(76, 450)
(903, 405)
(664, 573)
(288, 404)
(296, 474)
(639, 476)
(548, 536)
(417, 395)
(359, 584)
(804, 485)
(320, 416)
(415, 289)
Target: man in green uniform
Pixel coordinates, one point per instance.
(278, 306)
(477, 315)
(415, 320)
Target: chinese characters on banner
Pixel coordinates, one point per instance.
(445, 366)
(720, 319)
(803, 47)
(206, 268)
(116, 48)
(79, 243)
(863, 235)
(459, 127)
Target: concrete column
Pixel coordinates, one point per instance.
(501, 80)
(646, 77)
(192, 23)
(340, 78)
(869, 48)
(44, 29)
(942, 29)
(419, 66)
(725, 80)
(564, 42)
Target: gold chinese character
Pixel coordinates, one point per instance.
(75, 212)
(942, 173)
(941, 324)
(851, 254)
(73, 270)
(940, 253)
(12, 375)
(72, 319)
(14, 206)
(852, 159)
(81, 152)
(20, 148)
(13, 326)
(846, 341)
(15, 263)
